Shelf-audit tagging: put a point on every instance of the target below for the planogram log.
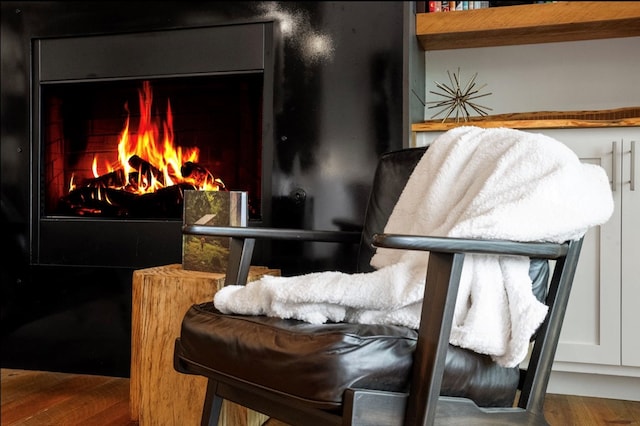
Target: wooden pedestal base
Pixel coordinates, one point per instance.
(158, 394)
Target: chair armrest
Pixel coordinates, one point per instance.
(471, 245)
(273, 233)
(243, 241)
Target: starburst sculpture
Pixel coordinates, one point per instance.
(458, 100)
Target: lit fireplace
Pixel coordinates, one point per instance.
(146, 172)
(125, 127)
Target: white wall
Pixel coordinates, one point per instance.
(579, 75)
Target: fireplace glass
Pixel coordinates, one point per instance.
(128, 149)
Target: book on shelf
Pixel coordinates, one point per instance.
(450, 6)
(215, 208)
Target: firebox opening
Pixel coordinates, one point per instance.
(129, 148)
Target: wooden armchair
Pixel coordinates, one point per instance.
(359, 374)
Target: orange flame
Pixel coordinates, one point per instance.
(157, 149)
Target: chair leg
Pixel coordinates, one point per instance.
(212, 405)
(363, 407)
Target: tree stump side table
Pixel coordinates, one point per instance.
(159, 395)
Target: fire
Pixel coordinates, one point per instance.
(149, 160)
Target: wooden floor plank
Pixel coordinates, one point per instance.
(582, 410)
(39, 398)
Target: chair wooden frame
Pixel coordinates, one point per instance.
(423, 405)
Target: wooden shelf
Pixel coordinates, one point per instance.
(621, 117)
(528, 24)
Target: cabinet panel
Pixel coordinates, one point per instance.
(591, 332)
(606, 332)
(630, 251)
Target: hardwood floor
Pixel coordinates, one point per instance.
(36, 398)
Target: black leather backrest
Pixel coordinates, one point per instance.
(392, 173)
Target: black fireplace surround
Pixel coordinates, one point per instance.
(202, 54)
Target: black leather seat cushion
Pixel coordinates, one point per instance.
(287, 355)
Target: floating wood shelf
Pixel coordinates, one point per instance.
(621, 117)
(528, 24)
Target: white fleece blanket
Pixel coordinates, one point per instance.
(471, 183)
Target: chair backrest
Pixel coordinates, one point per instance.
(390, 178)
(392, 173)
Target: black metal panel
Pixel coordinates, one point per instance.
(118, 244)
(167, 53)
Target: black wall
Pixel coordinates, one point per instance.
(334, 115)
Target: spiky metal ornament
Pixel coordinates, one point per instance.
(458, 100)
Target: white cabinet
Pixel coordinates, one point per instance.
(599, 349)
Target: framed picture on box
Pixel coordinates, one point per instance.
(215, 208)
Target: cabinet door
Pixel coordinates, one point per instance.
(601, 323)
(591, 332)
(630, 189)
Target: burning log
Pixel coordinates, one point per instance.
(164, 203)
(111, 202)
(146, 169)
(140, 194)
(200, 175)
(96, 201)
(191, 169)
(113, 179)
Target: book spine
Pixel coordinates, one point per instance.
(448, 6)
